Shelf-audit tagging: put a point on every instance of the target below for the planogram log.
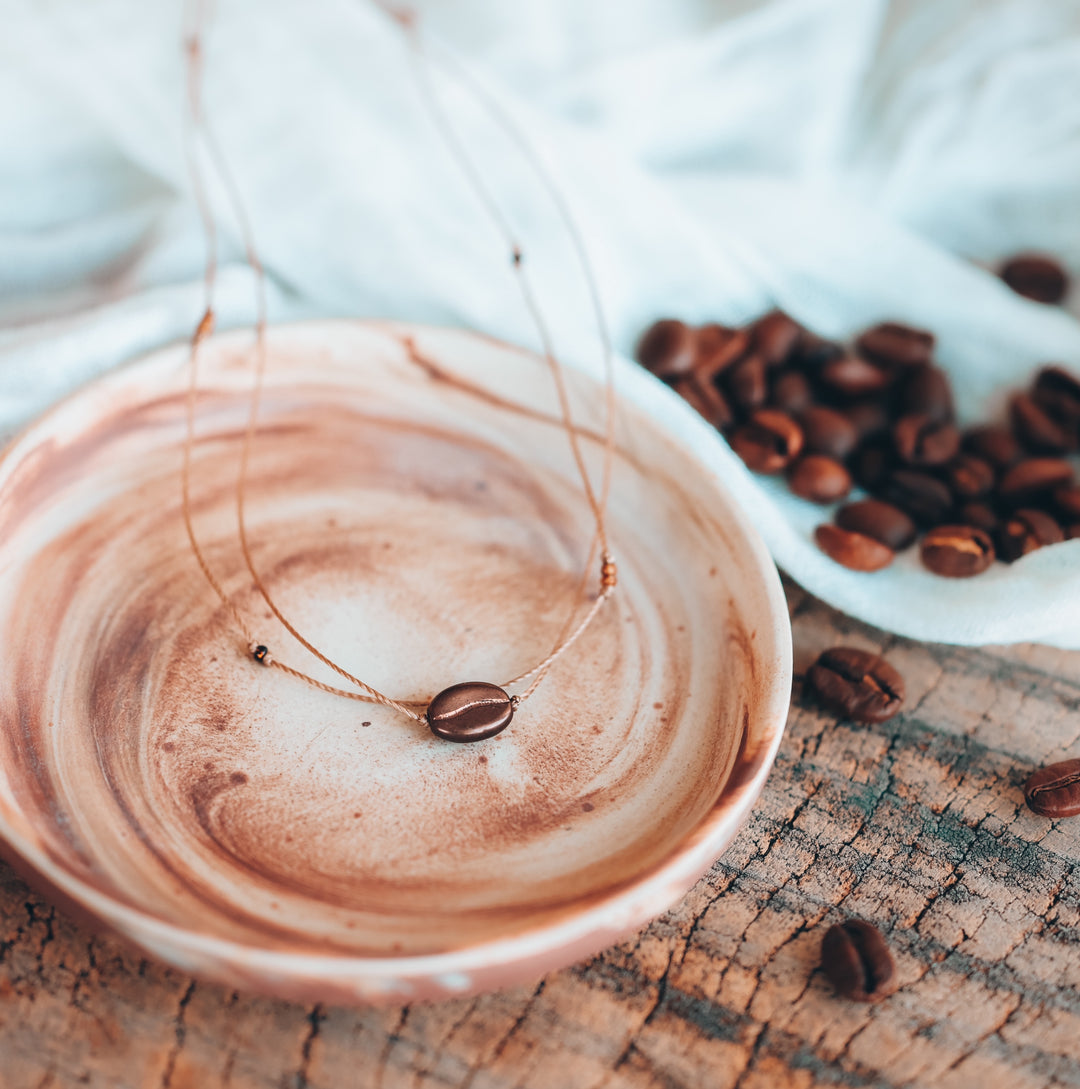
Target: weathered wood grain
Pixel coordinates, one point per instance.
(917, 824)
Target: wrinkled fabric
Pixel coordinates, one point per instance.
(846, 160)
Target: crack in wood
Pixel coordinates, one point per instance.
(180, 1036)
(504, 1041)
(315, 1017)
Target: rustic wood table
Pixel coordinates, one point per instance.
(917, 825)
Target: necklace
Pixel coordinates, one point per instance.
(466, 711)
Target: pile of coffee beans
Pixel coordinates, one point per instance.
(879, 415)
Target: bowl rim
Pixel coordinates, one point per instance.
(612, 913)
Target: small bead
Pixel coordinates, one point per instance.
(205, 326)
(260, 653)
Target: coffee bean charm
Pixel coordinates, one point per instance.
(471, 711)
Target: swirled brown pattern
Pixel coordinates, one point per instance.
(423, 534)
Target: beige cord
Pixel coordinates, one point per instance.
(196, 122)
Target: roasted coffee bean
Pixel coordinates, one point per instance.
(818, 478)
(667, 348)
(922, 442)
(1054, 791)
(852, 376)
(828, 432)
(1025, 531)
(747, 384)
(922, 496)
(1036, 277)
(994, 444)
(969, 476)
(813, 352)
(927, 390)
(774, 337)
(892, 343)
(870, 418)
(872, 463)
(957, 552)
(861, 686)
(1058, 393)
(1066, 502)
(1034, 479)
(882, 521)
(857, 961)
(854, 550)
(1059, 382)
(717, 348)
(768, 442)
(1072, 533)
(1036, 428)
(790, 392)
(980, 515)
(706, 399)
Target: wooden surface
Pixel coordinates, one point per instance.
(917, 824)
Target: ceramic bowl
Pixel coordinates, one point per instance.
(414, 509)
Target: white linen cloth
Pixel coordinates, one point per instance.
(846, 160)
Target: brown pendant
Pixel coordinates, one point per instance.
(470, 712)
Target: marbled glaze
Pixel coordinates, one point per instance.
(421, 534)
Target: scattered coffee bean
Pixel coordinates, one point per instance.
(747, 383)
(1036, 277)
(828, 432)
(857, 961)
(819, 479)
(921, 441)
(768, 442)
(706, 399)
(861, 686)
(1025, 531)
(774, 337)
(957, 552)
(717, 348)
(852, 376)
(1054, 791)
(1033, 479)
(920, 495)
(969, 476)
(927, 391)
(993, 444)
(790, 392)
(1036, 428)
(854, 550)
(667, 348)
(893, 343)
(980, 515)
(882, 521)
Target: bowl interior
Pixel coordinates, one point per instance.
(414, 508)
